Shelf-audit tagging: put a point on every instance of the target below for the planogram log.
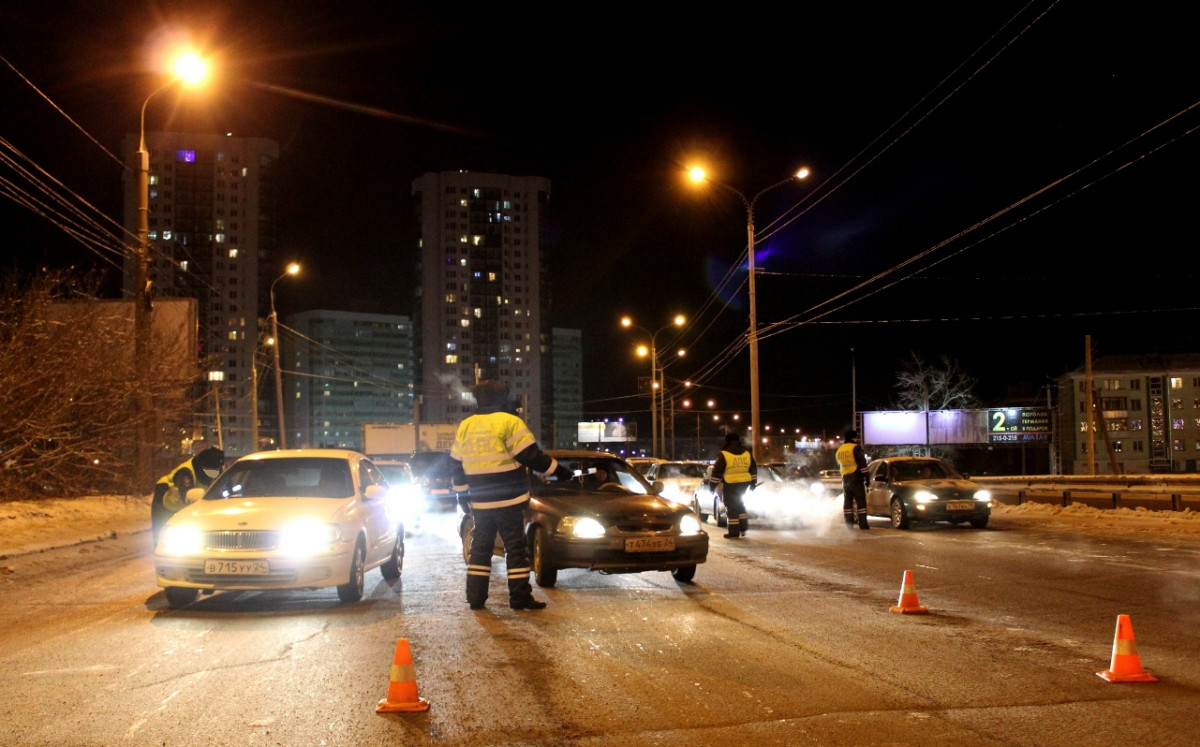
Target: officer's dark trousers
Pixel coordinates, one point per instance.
(735, 507)
(510, 523)
(854, 497)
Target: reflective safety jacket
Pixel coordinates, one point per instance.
(490, 453)
(850, 459)
(735, 466)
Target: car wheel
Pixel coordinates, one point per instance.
(352, 590)
(177, 596)
(721, 519)
(979, 522)
(544, 571)
(684, 573)
(466, 532)
(699, 511)
(392, 566)
(899, 517)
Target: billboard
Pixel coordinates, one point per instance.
(948, 427)
(607, 432)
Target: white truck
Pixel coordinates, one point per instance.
(401, 439)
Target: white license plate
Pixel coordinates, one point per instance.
(960, 505)
(650, 544)
(237, 567)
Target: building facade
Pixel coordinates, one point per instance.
(345, 369)
(482, 302)
(212, 207)
(566, 350)
(1146, 415)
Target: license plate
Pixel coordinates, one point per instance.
(960, 505)
(650, 544)
(237, 567)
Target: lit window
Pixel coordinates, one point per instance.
(1176, 382)
(183, 265)
(1177, 445)
(167, 235)
(478, 313)
(220, 238)
(233, 253)
(464, 322)
(462, 239)
(452, 359)
(491, 277)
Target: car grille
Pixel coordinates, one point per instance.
(241, 540)
(636, 528)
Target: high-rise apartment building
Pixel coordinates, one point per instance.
(213, 238)
(566, 349)
(347, 369)
(481, 307)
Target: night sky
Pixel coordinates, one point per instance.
(1004, 179)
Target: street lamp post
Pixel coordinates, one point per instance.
(654, 372)
(189, 69)
(698, 175)
(292, 269)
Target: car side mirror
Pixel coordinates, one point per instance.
(375, 493)
(657, 487)
(194, 494)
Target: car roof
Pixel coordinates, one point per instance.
(579, 454)
(295, 453)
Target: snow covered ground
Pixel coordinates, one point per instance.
(33, 526)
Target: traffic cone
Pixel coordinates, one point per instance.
(1126, 665)
(908, 604)
(402, 690)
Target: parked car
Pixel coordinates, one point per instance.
(778, 499)
(290, 519)
(406, 489)
(679, 481)
(616, 525)
(912, 489)
(642, 464)
(432, 470)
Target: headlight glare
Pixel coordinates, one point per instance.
(308, 537)
(983, 495)
(689, 524)
(181, 540)
(583, 527)
(924, 496)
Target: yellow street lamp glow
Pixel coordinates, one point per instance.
(293, 268)
(643, 351)
(190, 68)
(697, 174)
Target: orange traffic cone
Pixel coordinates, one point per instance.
(1126, 665)
(908, 604)
(402, 690)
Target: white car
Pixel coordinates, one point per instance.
(291, 519)
(680, 480)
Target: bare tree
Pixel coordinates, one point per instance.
(67, 385)
(928, 387)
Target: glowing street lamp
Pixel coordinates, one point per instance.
(652, 351)
(190, 70)
(292, 269)
(698, 175)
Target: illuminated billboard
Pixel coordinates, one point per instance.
(617, 431)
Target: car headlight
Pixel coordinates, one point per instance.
(674, 495)
(689, 524)
(818, 489)
(584, 527)
(924, 496)
(983, 495)
(308, 537)
(183, 539)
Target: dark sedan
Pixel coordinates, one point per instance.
(912, 489)
(608, 519)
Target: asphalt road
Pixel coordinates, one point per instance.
(784, 638)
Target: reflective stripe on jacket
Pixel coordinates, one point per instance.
(493, 450)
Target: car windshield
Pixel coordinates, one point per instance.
(605, 476)
(675, 471)
(309, 477)
(924, 469)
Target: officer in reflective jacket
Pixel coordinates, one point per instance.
(170, 491)
(491, 450)
(853, 466)
(736, 471)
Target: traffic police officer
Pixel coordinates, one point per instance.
(491, 450)
(853, 466)
(736, 471)
(170, 491)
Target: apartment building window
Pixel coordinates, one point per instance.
(1177, 403)
(1117, 446)
(1135, 424)
(1177, 382)
(1196, 403)
(1135, 404)
(1139, 446)
(1110, 384)
(1135, 384)
(1176, 424)
(1178, 445)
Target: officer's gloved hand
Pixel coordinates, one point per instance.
(562, 473)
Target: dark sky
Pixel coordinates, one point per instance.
(1031, 162)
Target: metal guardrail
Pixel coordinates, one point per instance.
(1151, 492)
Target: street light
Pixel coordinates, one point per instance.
(698, 174)
(190, 70)
(652, 351)
(687, 404)
(292, 269)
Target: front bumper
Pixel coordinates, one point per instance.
(608, 554)
(285, 572)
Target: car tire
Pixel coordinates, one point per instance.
(722, 520)
(979, 522)
(544, 571)
(178, 596)
(898, 514)
(684, 573)
(392, 567)
(352, 590)
(466, 532)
